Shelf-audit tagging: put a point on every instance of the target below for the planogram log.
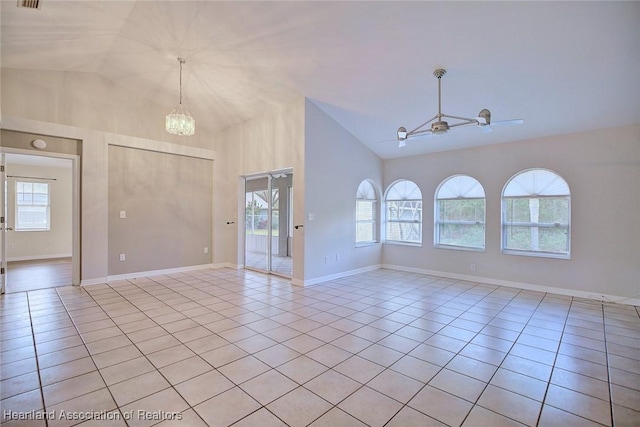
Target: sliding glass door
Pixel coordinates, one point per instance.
(268, 227)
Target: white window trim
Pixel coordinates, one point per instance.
(419, 222)
(375, 213)
(17, 227)
(504, 224)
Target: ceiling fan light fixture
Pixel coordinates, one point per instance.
(179, 121)
(439, 128)
(402, 133)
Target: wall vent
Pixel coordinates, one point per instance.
(30, 4)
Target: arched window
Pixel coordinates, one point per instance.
(404, 213)
(460, 213)
(536, 214)
(366, 213)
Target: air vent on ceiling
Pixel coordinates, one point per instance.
(30, 4)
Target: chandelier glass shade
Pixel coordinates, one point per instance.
(179, 121)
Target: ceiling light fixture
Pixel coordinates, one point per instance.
(179, 121)
(440, 126)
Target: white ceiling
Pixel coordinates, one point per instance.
(561, 66)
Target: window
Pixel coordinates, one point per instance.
(536, 216)
(404, 213)
(32, 206)
(460, 213)
(366, 207)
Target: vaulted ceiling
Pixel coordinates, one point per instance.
(561, 66)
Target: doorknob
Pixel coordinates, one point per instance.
(9, 229)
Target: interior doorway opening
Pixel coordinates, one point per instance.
(40, 232)
(268, 226)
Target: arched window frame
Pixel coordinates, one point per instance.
(366, 221)
(403, 213)
(542, 188)
(459, 214)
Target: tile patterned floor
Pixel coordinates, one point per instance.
(385, 348)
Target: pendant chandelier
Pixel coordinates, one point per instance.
(179, 121)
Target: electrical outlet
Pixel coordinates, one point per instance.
(473, 268)
(206, 250)
(122, 257)
(337, 257)
(326, 259)
(123, 214)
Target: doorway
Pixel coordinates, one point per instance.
(268, 223)
(40, 242)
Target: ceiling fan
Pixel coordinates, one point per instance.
(440, 126)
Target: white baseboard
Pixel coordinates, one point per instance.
(528, 286)
(37, 257)
(335, 276)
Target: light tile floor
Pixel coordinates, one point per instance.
(384, 348)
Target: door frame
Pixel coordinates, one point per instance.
(75, 206)
(243, 235)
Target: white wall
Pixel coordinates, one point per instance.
(272, 142)
(602, 169)
(335, 163)
(53, 243)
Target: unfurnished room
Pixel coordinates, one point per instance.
(319, 213)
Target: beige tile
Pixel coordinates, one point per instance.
(206, 343)
(480, 416)
(269, 386)
(359, 369)
(244, 369)
(337, 417)
(116, 356)
(351, 343)
(107, 344)
(96, 401)
(19, 384)
(332, 386)
(511, 405)
(203, 387)
(329, 355)
(408, 417)
(627, 397)
(440, 405)
(551, 416)
(303, 343)
(164, 405)
(72, 388)
(138, 387)
(432, 354)
(302, 369)
(518, 383)
(371, 407)
(527, 367)
(472, 367)
(416, 368)
(458, 385)
(66, 370)
(395, 385)
(581, 383)
(186, 418)
(262, 418)
(185, 369)
(299, 407)
(223, 355)
(227, 408)
(126, 370)
(625, 417)
(170, 355)
(21, 403)
(162, 342)
(381, 355)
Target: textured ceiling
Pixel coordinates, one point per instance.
(562, 67)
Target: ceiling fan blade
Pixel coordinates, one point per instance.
(508, 122)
